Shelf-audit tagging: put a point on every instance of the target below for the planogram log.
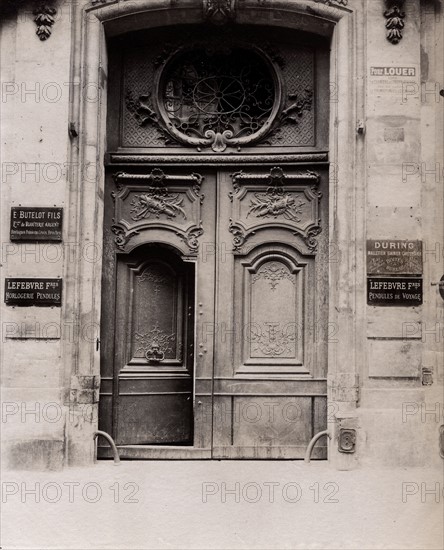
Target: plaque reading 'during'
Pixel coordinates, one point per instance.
(36, 224)
(394, 291)
(33, 292)
(394, 257)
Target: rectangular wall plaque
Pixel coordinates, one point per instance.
(36, 224)
(394, 291)
(392, 71)
(394, 257)
(33, 292)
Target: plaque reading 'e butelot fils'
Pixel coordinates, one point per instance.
(36, 224)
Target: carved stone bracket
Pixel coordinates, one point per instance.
(44, 19)
(219, 11)
(395, 20)
(293, 206)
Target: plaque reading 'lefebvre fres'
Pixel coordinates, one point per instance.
(394, 291)
(27, 292)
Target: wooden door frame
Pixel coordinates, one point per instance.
(91, 23)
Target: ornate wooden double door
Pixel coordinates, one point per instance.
(215, 312)
(215, 267)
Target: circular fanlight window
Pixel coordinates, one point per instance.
(218, 99)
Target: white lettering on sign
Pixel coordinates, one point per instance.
(397, 245)
(25, 285)
(392, 71)
(384, 285)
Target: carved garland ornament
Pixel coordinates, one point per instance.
(395, 20)
(44, 19)
(157, 202)
(274, 203)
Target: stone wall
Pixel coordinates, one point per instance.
(404, 201)
(49, 355)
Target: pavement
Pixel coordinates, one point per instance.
(222, 505)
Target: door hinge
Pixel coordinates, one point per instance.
(97, 344)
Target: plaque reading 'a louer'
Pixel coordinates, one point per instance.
(33, 292)
(394, 291)
(36, 224)
(394, 257)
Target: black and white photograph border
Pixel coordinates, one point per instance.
(222, 274)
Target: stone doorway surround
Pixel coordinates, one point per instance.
(92, 23)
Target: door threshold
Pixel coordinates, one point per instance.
(155, 452)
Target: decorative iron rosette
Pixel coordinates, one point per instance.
(218, 96)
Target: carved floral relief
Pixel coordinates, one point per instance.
(157, 201)
(289, 201)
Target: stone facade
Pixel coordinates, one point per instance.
(386, 182)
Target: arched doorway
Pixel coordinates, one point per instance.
(217, 148)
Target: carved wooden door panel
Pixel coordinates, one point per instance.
(214, 319)
(155, 280)
(271, 314)
(154, 329)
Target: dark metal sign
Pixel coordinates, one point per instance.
(33, 292)
(394, 257)
(394, 291)
(36, 224)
